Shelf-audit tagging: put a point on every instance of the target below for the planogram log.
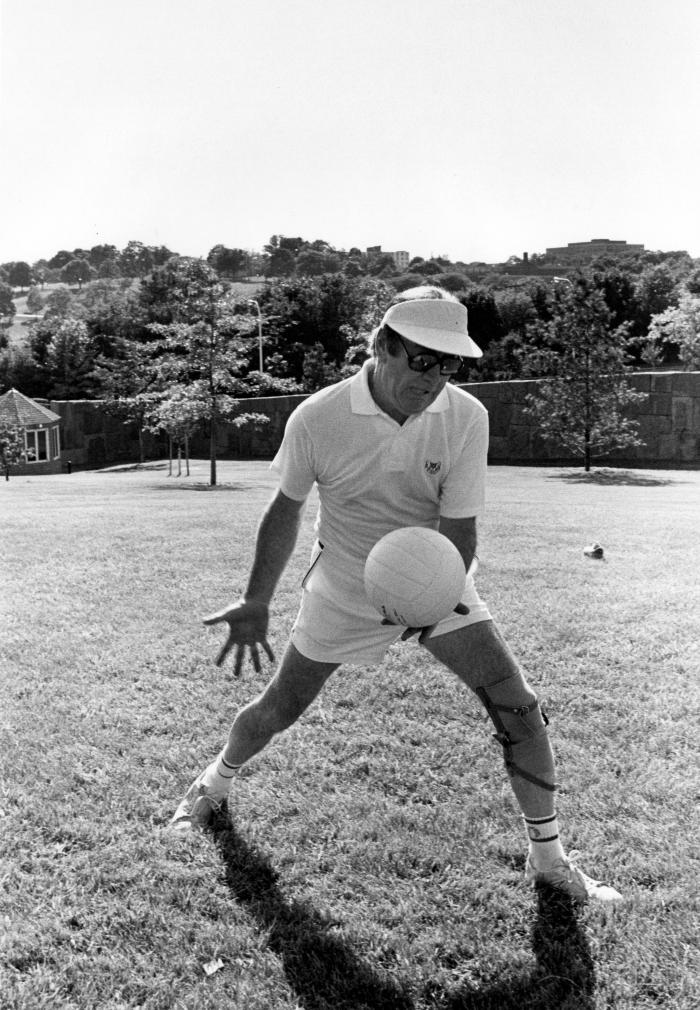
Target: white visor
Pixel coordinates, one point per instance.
(434, 323)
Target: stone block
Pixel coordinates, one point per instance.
(520, 442)
(687, 383)
(500, 416)
(662, 382)
(641, 381)
(669, 448)
(682, 413)
(660, 403)
(498, 448)
(689, 446)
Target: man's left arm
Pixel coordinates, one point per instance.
(462, 533)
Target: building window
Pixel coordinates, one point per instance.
(37, 443)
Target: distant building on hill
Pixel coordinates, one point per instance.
(584, 252)
(401, 258)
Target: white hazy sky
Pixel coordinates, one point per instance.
(472, 128)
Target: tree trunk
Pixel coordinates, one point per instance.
(170, 457)
(187, 454)
(212, 452)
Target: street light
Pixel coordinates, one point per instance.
(260, 340)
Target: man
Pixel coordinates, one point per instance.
(393, 446)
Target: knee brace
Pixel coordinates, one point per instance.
(517, 727)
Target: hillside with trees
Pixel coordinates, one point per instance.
(90, 315)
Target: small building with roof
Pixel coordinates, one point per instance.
(40, 429)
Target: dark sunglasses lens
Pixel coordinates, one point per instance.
(422, 362)
(450, 366)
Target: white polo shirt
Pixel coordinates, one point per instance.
(375, 475)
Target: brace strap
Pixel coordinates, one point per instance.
(504, 739)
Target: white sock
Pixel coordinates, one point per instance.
(545, 844)
(217, 777)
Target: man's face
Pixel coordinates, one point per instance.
(400, 391)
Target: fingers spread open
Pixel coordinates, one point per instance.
(238, 665)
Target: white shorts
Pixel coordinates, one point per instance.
(336, 622)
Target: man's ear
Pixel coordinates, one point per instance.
(380, 349)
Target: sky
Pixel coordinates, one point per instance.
(475, 129)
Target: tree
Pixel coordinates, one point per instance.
(11, 446)
(516, 311)
(205, 348)
(128, 383)
(7, 306)
(70, 361)
(655, 291)
(318, 371)
(353, 267)
(35, 302)
(327, 310)
(679, 328)
(484, 319)
(109, 269)
(293, 244)
(41, 272)
(58, 302)
(311, 263)
(177, 413)
(619, 292)
(77, 271)
(19, 275)
(428, 268)
(18, 370)
(136, 260)
(453, 281)
(281, 263)
(100, 254)
(579, 405)
(62, 257)
(231, 263)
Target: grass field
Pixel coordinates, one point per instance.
(374, 857)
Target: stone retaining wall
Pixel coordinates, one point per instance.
(669, 425)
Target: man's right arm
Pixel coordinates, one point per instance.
(277, 536)
(248, 618)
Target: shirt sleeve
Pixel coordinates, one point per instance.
(293, 462)
(463, 494)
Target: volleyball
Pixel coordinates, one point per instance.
(414, 576)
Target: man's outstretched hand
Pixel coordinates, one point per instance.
(247, 629)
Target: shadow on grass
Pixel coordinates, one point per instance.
(321, 968)
(325, 974)
(564, 978)
(612, 478)
(200, 486)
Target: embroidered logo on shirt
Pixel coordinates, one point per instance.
(431, 467)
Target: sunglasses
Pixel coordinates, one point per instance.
(425, 360)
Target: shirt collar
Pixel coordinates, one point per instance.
(362, 402)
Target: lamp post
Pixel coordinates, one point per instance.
(260, 340)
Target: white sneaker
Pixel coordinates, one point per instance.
(566, 877)
(197, 809)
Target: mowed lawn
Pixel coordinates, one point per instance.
(374, 858)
